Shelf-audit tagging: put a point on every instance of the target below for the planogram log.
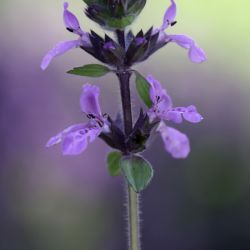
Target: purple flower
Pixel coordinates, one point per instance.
(162, 109)
(163, 106)
(195, 53)
(76, 138)
(60, 48)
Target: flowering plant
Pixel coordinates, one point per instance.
(129, 139)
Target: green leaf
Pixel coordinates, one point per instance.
(92, 70)
(113, 163)
(137, 171)
(143, 88)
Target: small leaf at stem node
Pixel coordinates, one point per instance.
(137, 171)
(143, 89)
(113, 163)
(91, 70)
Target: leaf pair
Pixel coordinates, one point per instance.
(137, 171)
(97, 70)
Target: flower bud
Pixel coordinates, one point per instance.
(114, 14)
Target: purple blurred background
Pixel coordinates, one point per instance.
(52, 202)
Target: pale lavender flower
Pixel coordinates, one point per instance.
(162, 109)
(195, 53)
(72, 24)
(76, 138)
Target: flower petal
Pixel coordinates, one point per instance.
(70, 20)
(162, 102)
(85, 39)
(75, 142)
(76, 138)
(195, 53)
(174, 116)
(156, 88)
(157, 92)
(89, 100)
(162, 107)
(162, 38)
(72, 24)
(59, 49)
(176, 143)
(191, 115)
(58, 138)
(54, 140)
(169, 15)
(182, 40)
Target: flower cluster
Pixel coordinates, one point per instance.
(119, 54)
(134, 48)
(76, 138)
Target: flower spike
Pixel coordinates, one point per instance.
(120, 50)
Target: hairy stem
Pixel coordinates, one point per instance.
(134, 224)
(133, 201)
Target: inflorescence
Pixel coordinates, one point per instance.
(119, 55)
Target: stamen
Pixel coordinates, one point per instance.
(100, 123)
(173, 23)
(91, 116)
(70, 30)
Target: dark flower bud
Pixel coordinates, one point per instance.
(114, 14)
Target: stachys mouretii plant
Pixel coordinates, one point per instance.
(126, 137)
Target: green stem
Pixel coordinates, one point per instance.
(133, 201)
(134, 220)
